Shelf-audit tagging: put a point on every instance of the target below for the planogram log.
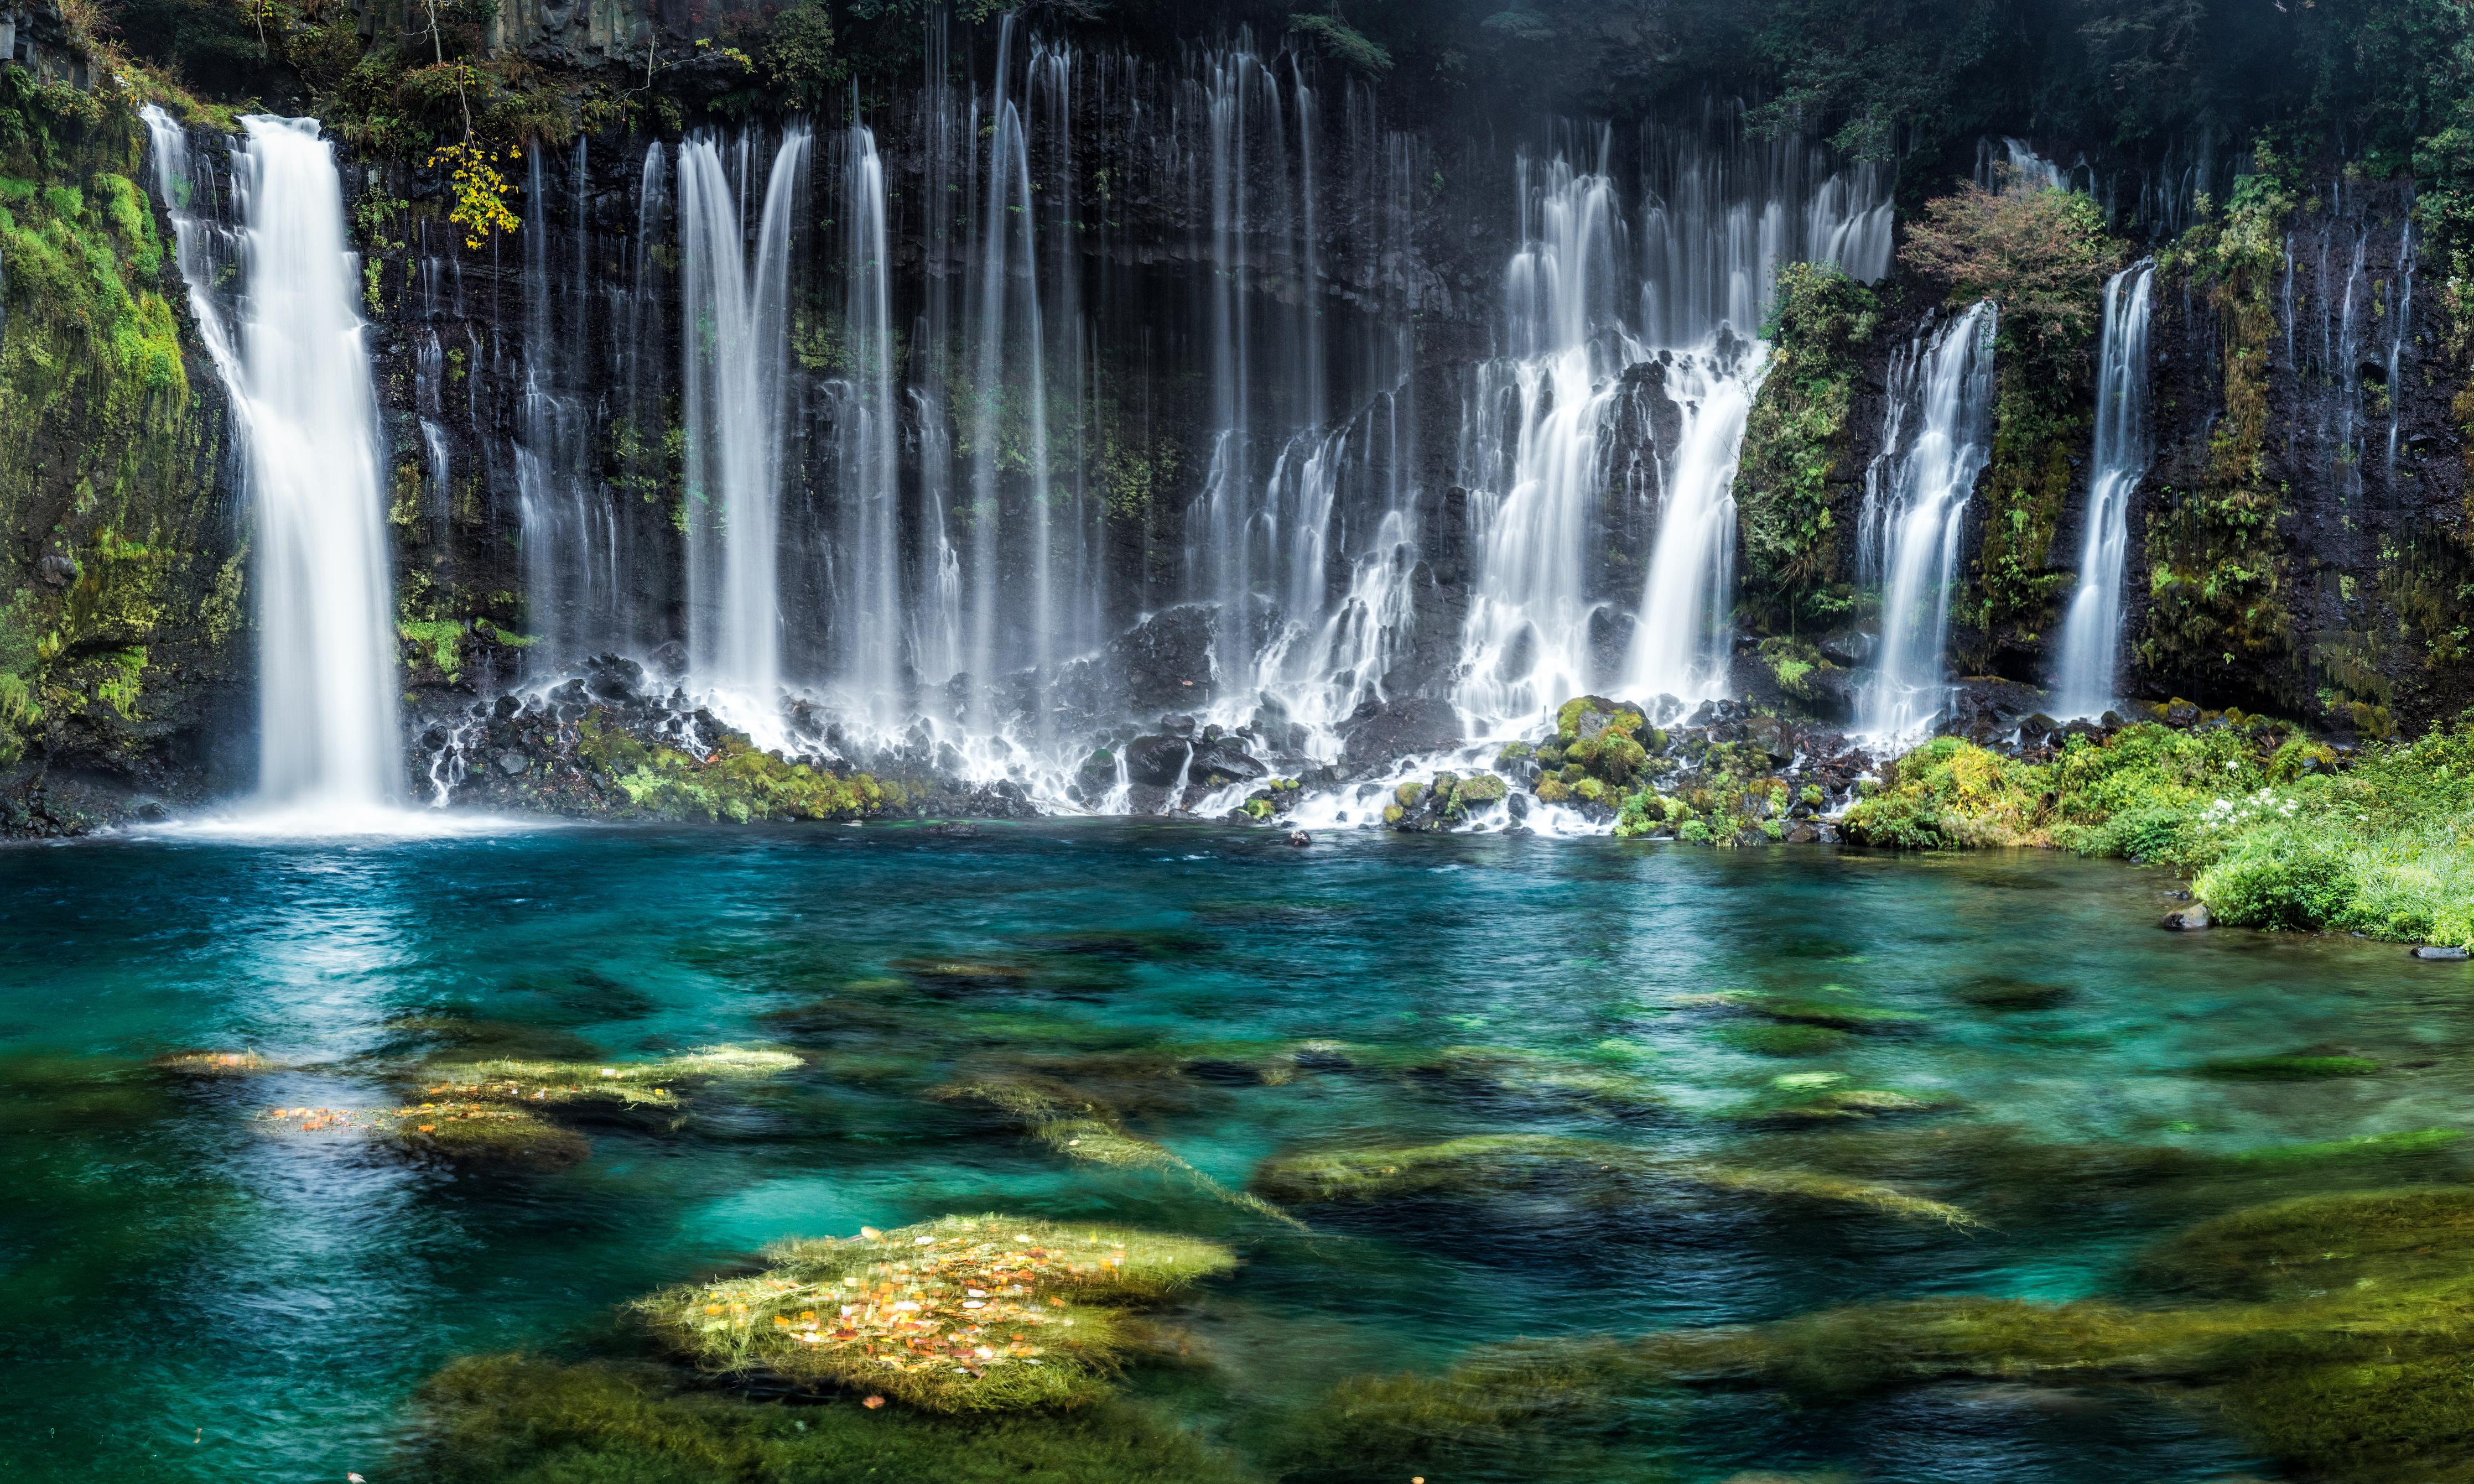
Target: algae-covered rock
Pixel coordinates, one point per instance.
(961, 1314)
(454, 1131)
(1838, 1014)
(1483, 1164)
(521, 1420)
(2321, 1244)
(649, 1083)
(2362, 1147)
(2298, 1068)
(214, 1063)
(1083, 1128)
(1502, 1072)
(1786, 1039)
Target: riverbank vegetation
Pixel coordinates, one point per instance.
(2271, 830)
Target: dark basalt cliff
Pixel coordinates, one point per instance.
(1348, 233)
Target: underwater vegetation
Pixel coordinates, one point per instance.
(525, 1420)
(961, 1314)
(2329, 1330)
(1484, 1164)
(457, 1133)
(2271, 831)
(1080, 1128)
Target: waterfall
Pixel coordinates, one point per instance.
(735, 384)
(298, 376)
(1536, 418)
(870, 613)
(1009, 424)
(1681, 644)
(1721, 214)
(1916, 494)
(2092, 631)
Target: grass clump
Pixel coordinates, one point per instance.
(961, 1314)
(521, 1420)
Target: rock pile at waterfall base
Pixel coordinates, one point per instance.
(610, 743)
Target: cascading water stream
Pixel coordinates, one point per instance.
(2092, 630)
(1916, 495)
(871, 626)
(329, 755)
(734, 380)
(1681, 644)
(1534, 427)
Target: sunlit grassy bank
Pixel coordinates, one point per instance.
(2274, 829)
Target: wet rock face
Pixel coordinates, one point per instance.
(1382, 730)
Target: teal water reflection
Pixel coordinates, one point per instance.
(193, 1296)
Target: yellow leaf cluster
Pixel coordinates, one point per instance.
(477, 189)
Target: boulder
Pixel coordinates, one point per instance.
(1382, 730)
(1222, 761)
(1157, 760)
(2443, 952)
(2190, 919)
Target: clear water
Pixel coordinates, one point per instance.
(191, 1299)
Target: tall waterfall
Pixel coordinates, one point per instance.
(1916, 494)
(1537, 417)
(298, 375)
(734, 380)
(870, 608)
(2092, 631)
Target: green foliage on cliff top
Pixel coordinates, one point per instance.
(1796, 446)
(2272, 834)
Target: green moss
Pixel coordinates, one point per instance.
(1796, 448)
(961, 1314)
(738, 782)
(1785, 1041)
(1083, 1128)
(519, 1420)
(1949, 794)
(2340, 1151)
(2288, 1069)
(2216, 555)
(1493, 1164)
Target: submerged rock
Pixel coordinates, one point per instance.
(523, 1419)
(961, 1314)
(1494, 1164)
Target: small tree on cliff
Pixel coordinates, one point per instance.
(2043, 255)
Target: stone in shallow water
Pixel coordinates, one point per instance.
(2445, 952)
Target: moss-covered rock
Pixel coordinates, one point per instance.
(737, 780)
(522, 1419)
(1083, 1128)
(961, 1314)
(1482, 1165)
